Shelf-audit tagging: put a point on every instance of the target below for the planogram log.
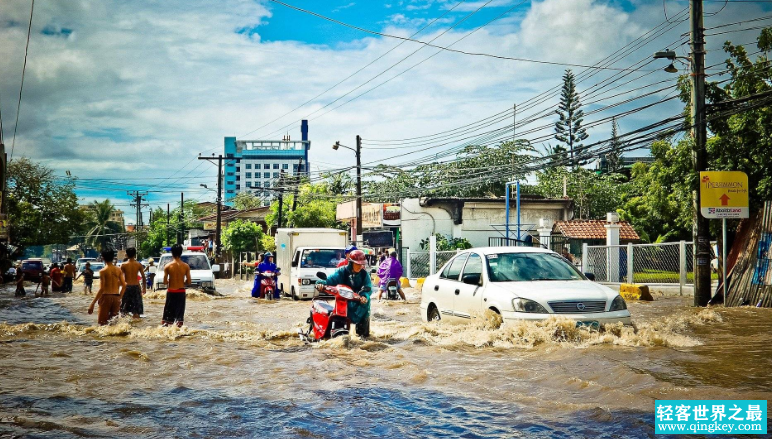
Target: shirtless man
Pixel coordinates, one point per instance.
(176, 278)
(131, 303)
(111, 289)
(69, 273)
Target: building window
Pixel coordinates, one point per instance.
(238, 186)
(301, 168)
(275, 166)
(267, 184)
(275, 175)
(249, 184)
(257, 184)
(230, 156)
(249, 175)
(230, 191)
(266, 175)
(230, 174)
(249, 166)
(266, 166)
(238, 168)
(238, 178)
(285, 166)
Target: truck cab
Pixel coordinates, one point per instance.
(301, 253)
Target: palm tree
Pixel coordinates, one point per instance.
(101, 227)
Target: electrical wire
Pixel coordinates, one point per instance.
(21, 87)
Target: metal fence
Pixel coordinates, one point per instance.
(666, 263)
(418, 264)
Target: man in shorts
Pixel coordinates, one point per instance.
(131, 303)
(176, 277)
(88, 278)
(69, 273)
(111, 289)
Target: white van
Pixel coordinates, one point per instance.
(201, 273)
(301, 253)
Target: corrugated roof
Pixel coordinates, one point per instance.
(593, 229)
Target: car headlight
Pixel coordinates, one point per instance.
(618, 304)
(207, 284)
(306, 281)
(525, 305)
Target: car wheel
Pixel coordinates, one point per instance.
(294, 295)
(434, 314)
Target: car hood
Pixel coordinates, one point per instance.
(201, 274)
(543, 291)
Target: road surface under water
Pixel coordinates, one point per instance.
(238, 369)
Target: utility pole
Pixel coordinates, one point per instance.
(281, 199)
(181, 230)
(359, 187)
(699, 155)
(218, 229)
(514, 120)
(297, 186)
(137, 199)
(168, 215)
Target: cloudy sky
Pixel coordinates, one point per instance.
(125, 95)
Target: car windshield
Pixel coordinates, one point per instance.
(95, 267)
(32, 265)
(525, 267)
(196, 262)
(325, 258)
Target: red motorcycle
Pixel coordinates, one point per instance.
(268, 285)
(327, 320)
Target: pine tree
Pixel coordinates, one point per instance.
(614, 156)
(568, 129)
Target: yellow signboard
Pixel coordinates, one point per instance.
(212, 225)
(724, 194)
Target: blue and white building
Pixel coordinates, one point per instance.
(256, 165)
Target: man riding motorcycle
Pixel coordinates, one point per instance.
(266, 265)
(357, 278)
(390, 269)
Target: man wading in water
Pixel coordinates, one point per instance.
(111, 289)
(69, 273)
(176, 278)
(132, 298)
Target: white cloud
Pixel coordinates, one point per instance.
(140, 88)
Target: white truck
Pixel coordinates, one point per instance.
(301, 253)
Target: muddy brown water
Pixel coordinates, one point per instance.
(238, 369)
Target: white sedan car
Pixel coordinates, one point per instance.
(520, 283)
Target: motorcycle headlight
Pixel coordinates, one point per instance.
(525, 305)
(618, 304)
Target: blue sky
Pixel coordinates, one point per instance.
(125, 95)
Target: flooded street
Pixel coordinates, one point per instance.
(238, 369)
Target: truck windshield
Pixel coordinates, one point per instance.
(324, 258)
(196, 262)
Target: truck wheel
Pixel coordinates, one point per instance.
(294, 296)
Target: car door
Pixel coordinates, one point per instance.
(468, 291)
(447, 284)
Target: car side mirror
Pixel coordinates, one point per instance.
(590, 276)
(471, 279)
(321, 275)
(215, 268)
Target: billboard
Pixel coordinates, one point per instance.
(392, 214)
(372, 215)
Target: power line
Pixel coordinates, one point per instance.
(23, 70)
(355, 73)
(372, 32)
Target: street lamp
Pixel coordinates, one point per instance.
(358, 152)
(670, 55)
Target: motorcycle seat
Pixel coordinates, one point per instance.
(323, 308)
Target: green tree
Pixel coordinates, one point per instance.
(594, 195)
(241, 236)
(452, 179)
(42, 209)
(614, 156)
(568, 129)
(316, 207)
(446, 243)
(101, 227)
(246, 200)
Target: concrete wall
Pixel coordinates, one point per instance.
(480, 220)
